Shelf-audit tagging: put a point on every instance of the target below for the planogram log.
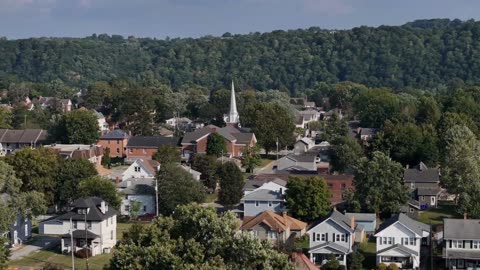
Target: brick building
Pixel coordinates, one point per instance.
(116, 140)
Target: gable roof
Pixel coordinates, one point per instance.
(274, 221)
(254, 184)
(399, 247)
(461, 229)
(307, 157)
(337, 217)
(115, 134)
(332, 245)
(94, 214)
(263, 195)
(22, 135)
(230, 133)
(411, 224)
(151, 141)
(421, 174)
(428, 191)
(191, 137)
(149, 165)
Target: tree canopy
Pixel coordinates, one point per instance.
(307, 199)
(77, 127)
(231, 184)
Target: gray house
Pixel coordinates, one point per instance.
(461, 249)
(367, 220)
(261, 200)
(424, 183)
(21, 230)
(140, 190)
(302, 162)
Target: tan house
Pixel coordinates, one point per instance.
(274, 227)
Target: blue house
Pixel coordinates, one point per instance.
(367, 220)
(261, 200)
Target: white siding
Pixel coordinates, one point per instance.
(131, 173)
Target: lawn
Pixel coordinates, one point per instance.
(434, 216)
(368, 250)
(43, 257)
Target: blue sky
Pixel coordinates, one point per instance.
(194, 18)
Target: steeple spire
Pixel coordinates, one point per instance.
(233, 116)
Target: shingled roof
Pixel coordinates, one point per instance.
(279, 223)
(232, 134)
(22, 136)
(151, 141)
(116, 134)
(461, 229)
(94, 213)
(421, 174)
(411, 224)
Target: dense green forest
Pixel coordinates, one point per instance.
(425, 54)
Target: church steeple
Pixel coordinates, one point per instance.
(233, 117)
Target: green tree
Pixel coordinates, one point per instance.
(307, 198)
(428, 111)
(231, 184)
(332, 264)
(167, 153)
(100, 187)
(135, 207)
(251, 158)
(70, 173)
(106, 160)
(37, 168)
(207, 166)
(374, 106)
(334, 128)
(269, 129)
(216, 145)
(195, 237)
(177, 187)
(379, 184)
(6, 118)
(355, 261)
(78, 126)
(345, 153)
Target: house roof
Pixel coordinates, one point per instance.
(190, 170)
(413, 225)
(461, 229)
(337, 217)
(22, 135)
(307, 157)
(399, 247)
(98, 114)
(193, 136)
(81, 234)
(77, 151)
(368, 131)
(230, 133)
(362, 216)
(428, 191)
(332, 245)
(94, 214)
(279, 223)
(151, 141)
(243, 138)
(151, 166)
(263, 195)
(254, 184)
(137, 186)
(421, 174)
(115, 134)
(464, 254)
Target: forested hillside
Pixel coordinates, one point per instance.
(422, 54)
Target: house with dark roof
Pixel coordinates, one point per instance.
(276, 228)
(91, 223)
(399, 240)
(461, 243)
(334, 235)
(116, 140)
(237, 140)
(367, 220)
(61, 105)
(143, 147)
(424, 184)
(300, 162)
(13, 139)
(92, 153)
(140, 190)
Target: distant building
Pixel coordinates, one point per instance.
(116, 140)
(424, 184)
(102, 123)
(232, 118)
(62, 105)
(13, 139)
(93, 153)
(19, 231)
(143, 147)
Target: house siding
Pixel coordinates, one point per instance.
(113, 146)
(20, 231)
(145, 200)
(330, 228)
(250, 208)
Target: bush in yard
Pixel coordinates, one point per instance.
(381, 266)
(392, 266)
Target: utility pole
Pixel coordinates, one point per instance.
(156, 193)
(86, 238)
(71, 243)
(277, 147)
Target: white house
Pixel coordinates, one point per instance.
(102, 123)
(91, 223)
(276, 185)
(303, 145)
(141, 190)
(399, 239)
(334, 235)
(141, 169)
(461, 249)
(195, 174)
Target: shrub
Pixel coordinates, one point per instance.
(392, 266)
(381, 266)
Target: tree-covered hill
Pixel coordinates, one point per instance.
(423, 54)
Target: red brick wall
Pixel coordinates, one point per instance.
(202, 145)
(146, 153)
(112, 144)
(337, 190)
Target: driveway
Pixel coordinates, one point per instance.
(35, 244)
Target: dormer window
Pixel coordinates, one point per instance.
(137, 168)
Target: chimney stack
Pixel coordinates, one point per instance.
(103, 207)
(352, 223)
(117, 180)
(465, 215)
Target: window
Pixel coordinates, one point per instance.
(130, 150)
(269, 204)
(26, 230)
(384, 240)
(127, 208)
(344, 238)
(457, 243)
(118, 150)
(390, 240)
(337, 238)
(272, 235)
(411, 210)
(324, 238)
(344, 186)
(330, 186)
(75, 225)
(118, 141)
(412, 241)
(144, 151)
(144, 208)
(405, 241)
(256, 203)
(423, 198)
(475, 244)
(254, 233)
(137, 168)
(89, 225)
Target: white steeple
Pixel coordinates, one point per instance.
(233, 117)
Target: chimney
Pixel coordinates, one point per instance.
(465, 215)
(117, 180)
(352, 223)
(103, 207)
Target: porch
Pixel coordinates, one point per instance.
(322, 253)
(82, 241)
(401, 262)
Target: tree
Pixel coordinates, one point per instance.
(355, 261)
(37, 168)
(379, 184)
(307, 198)
(70, 173)
(78, 126)
(374, 106)
(428, 111)
(100, 187)
(216, 145)
(135, 207)
(345, 153)
(207, 166)
(332, 263)
(251, 158)
(195, 237)
(177, 187)
(106, 160)
(231, 184)
(6, 118)
(270, 122)
(167, 153)
(334, 128)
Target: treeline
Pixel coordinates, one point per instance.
(425, 54)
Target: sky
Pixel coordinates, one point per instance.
(195, 18)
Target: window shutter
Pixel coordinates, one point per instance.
(333, 236)
(463, 244)
(471, 244)
(314, 237)
(450, 243)
(326, 237)
(393, 240)
(402, 240)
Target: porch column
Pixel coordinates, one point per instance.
(345, 261)
(311, 258)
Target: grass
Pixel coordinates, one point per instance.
(302, 243)
(368, 250)
(211, 197)
(42, 257)
(435, 216)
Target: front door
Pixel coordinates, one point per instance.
(460, 264)
(432, 200)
